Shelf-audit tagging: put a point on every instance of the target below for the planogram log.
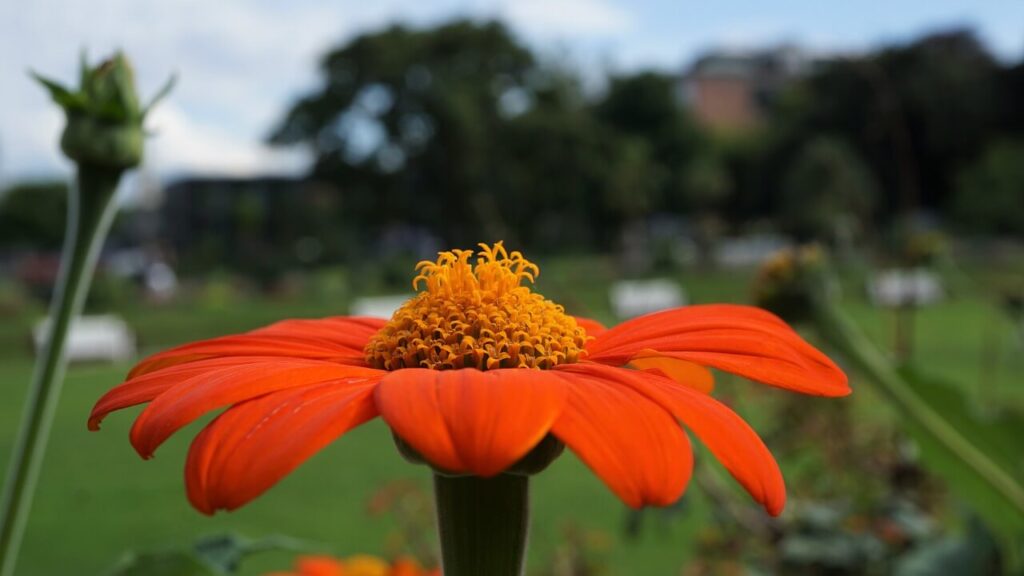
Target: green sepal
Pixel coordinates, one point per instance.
(160, 94)
(65, 98)
(536, 460)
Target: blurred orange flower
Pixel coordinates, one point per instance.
(472, 373)
(361, 565)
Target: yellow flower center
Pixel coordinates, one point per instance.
(468, 316)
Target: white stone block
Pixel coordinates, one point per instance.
(378, 306)
(902, 287)
(632, 298)
(93, 338)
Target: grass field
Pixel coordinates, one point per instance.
(98, 499)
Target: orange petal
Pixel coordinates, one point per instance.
(631, 443)
(733, 442)
(320, 566)
(407, 567)
(741, 339)
(340, 339)
(146, 387)
(213, 389)
(593, 327)
(350, 332)
(686, 373)
(468, 420)
(254, 444)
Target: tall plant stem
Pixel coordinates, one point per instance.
(841, 333)
(90, 212)
(483, 524)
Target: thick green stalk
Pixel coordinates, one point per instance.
(483, 524)
(841, 333)
(90, 212)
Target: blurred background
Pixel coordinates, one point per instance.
(647, 154)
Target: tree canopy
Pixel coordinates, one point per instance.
(463, 132)
(33, 215)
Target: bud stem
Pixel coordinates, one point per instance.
(90, 213)
(483, 523)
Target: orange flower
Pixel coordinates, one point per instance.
(355, 566)
(473, 373)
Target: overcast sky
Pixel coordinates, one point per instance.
(240, 62)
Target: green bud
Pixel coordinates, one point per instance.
(793, 281)
(104, 116)
(925, 248)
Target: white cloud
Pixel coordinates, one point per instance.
(181, 145)
(568, 17)
(30, 140)
(241, 62)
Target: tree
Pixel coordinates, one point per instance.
(408, 123)
(916, 113)
(647, 109)
(828, 192)
(560, 164)
(33, 215)
(990, 193)
(707, 181)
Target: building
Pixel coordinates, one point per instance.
(255, 225)
(732, 90)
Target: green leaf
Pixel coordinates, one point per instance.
(172, 563)
(972, 553)
(224, 552)
(976, 453)
(996, 434)
(216, 555)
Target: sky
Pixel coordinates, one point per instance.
(241, 62)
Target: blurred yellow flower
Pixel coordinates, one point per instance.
(359, 565)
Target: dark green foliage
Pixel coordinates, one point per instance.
(827, 191)
(33, 215)
(645, 110)
(461, 131)
(990, 192)
(408, 122)
(916, 114)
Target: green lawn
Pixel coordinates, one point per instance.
(98, 499)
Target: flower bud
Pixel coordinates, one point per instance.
(793, 281)
(104, 117)
(925, 248)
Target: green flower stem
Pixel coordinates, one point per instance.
(90, 212)
(483, 524)
(841, 333)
